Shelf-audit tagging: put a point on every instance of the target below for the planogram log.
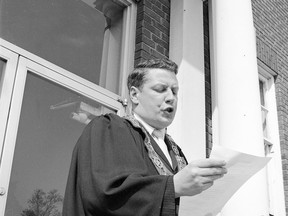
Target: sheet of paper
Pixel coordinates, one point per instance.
(240, 168)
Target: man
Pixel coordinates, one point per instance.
(129, 166)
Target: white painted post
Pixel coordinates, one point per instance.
(187, 50)
(236, 100)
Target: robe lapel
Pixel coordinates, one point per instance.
(153, 155)
(161, 154)
(156, 155)
(172, 155)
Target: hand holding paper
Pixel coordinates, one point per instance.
(240, 168)
(198, 176)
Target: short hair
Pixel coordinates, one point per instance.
(137, 77)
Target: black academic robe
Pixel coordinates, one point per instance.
(111, 173)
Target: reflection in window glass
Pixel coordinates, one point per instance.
(52, 119)
(67, 33)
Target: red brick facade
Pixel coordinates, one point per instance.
(271, 24)
(208, 104)
(152, 29)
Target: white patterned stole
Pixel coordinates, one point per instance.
(154, 157)
(180, 160)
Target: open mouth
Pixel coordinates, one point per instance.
(169, 110)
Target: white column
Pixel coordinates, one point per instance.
(187, 50)
(236, 100)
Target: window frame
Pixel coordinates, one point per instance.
(7, 84)
(127, 46)
(271, 143)
(265, 108)
(266, 76)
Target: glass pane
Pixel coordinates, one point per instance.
(68, 33)
(262, 93)
(2, 68)
(2, 65)
(52, 119)
(264, 122)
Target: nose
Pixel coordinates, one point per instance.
(170, 97)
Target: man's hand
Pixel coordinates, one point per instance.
(198, 176)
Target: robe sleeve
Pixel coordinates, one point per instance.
(109, 175)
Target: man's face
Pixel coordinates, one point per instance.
(156, 102)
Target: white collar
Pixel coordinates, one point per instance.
(148, 127)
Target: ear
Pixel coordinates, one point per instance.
(134, 94)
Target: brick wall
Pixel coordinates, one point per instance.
(208, 104)
(271, 24)
(152, 29)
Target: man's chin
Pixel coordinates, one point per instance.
(168, 117)
(165, 122)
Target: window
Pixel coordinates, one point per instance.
(263, 87)
(48, 110)
(271, 140)
(89, 42)
(47, 133)
(67, 33)
(73, 67)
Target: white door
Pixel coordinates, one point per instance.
(43, 113)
